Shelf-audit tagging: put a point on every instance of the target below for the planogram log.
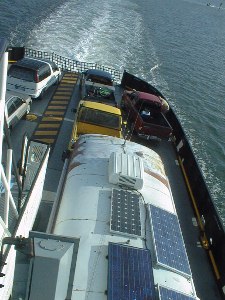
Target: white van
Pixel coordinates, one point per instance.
(32, 76)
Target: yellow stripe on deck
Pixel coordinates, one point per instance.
(66, 84)
(69, 81)
(61, 97)
(69, 78)
(70, 75)
(46, 132)
(64, 90)
(65, 87)
(59, 102)
(52, 112)
(52, 119)
(49, 125)
(57, 107)
(63, 93)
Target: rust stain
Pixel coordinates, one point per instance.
(73, 165)
(157, 176)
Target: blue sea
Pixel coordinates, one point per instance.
(178, 46)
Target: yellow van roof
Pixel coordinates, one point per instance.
(101, 106)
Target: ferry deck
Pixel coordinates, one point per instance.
(51, 121)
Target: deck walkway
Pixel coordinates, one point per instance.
(48, 129)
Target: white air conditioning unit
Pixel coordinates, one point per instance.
(127, 170)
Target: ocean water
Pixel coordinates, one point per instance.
(178, 46)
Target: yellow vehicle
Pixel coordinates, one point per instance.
(99, 118)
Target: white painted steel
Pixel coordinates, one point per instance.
(23, 227)
(57, 198)
(23, 154)
(84, 212)
(35, 155)
(7, 188)
(3, 79)
(5, 179)
(8, 177)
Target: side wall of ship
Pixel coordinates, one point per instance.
(211, 233)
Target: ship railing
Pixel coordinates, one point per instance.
(18, 210)
(72, 65)
(8, 203)
(36, 166)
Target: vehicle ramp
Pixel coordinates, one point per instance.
(50, 123)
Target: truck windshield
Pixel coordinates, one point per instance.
(100, 118)
(98, 79)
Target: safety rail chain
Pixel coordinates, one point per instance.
(67, 64)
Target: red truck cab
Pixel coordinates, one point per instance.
(147, 114)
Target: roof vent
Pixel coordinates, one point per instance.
(126, 169)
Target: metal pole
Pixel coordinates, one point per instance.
(17, 177)
(7, 187)
(8, 177)
(3, 78)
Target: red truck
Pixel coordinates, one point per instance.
(146, 114)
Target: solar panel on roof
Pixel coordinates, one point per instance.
(130, 275)
(125, 212)
(167, 294)
(169, 244)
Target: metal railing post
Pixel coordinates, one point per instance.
(8, 177)
(3, 78)
(7, 187)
